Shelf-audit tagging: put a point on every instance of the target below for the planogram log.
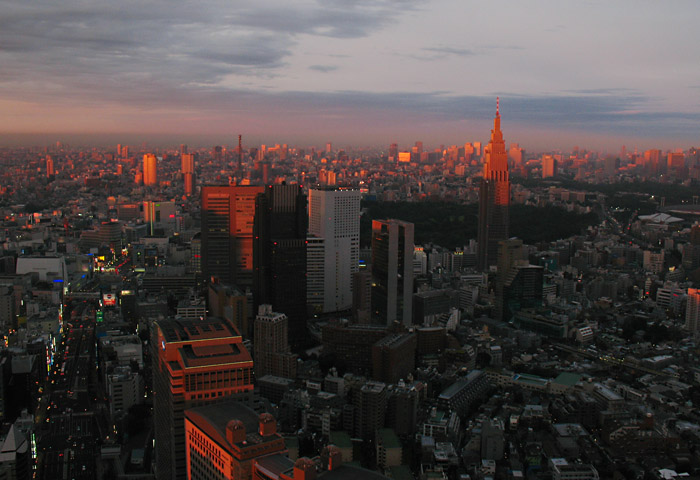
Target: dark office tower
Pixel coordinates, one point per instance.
(183, 149)
(187, 160)
(392, 272)
(361, 296)
(494, 197)
(279, 255)
(522, 288)
(370, 408)
(228, 213)
(402, 409)
(272, 353)
(511, 254)
(195, 363)
(518, 284)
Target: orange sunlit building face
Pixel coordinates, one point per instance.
(228, 214)
(494, 197)
(196, 363)
(150, 169)
(224, 440)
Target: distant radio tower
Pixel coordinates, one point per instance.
(240, 152)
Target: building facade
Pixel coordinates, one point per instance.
(195, 363)
(187, 170)
(272, 352)
(228, 214)
(224, 440)
(279, 255)
(392, 272)
(334, 217)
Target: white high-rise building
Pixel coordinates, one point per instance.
(334, 222)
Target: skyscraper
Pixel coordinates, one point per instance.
(549, 166)
(494, 197)
(195, 363)
(228, 214)
(692, 312)
(279, 255)
(516, 154)
(370, 408)
(362, 296)
(272, 353)
(392, 272)
(393, 151)
(518, 284)
(334, 218)
(187, 171)
(150, 169)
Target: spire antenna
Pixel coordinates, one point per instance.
(497, 106)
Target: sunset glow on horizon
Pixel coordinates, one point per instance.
(599, 74)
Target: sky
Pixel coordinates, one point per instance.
(597, 74)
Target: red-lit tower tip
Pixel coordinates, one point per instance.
(498, 107)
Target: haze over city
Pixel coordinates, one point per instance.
(600, 74)
(349, 240)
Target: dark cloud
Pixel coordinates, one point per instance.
(77, 45)
(323, 68)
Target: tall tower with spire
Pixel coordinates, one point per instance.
(494, 197)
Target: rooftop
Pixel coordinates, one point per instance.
(567, 379)
(212, 420)
(187, 330)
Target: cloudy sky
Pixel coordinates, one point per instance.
(588, 73)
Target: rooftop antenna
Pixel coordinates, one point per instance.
(497, 106)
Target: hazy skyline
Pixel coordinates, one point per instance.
(594, 74)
